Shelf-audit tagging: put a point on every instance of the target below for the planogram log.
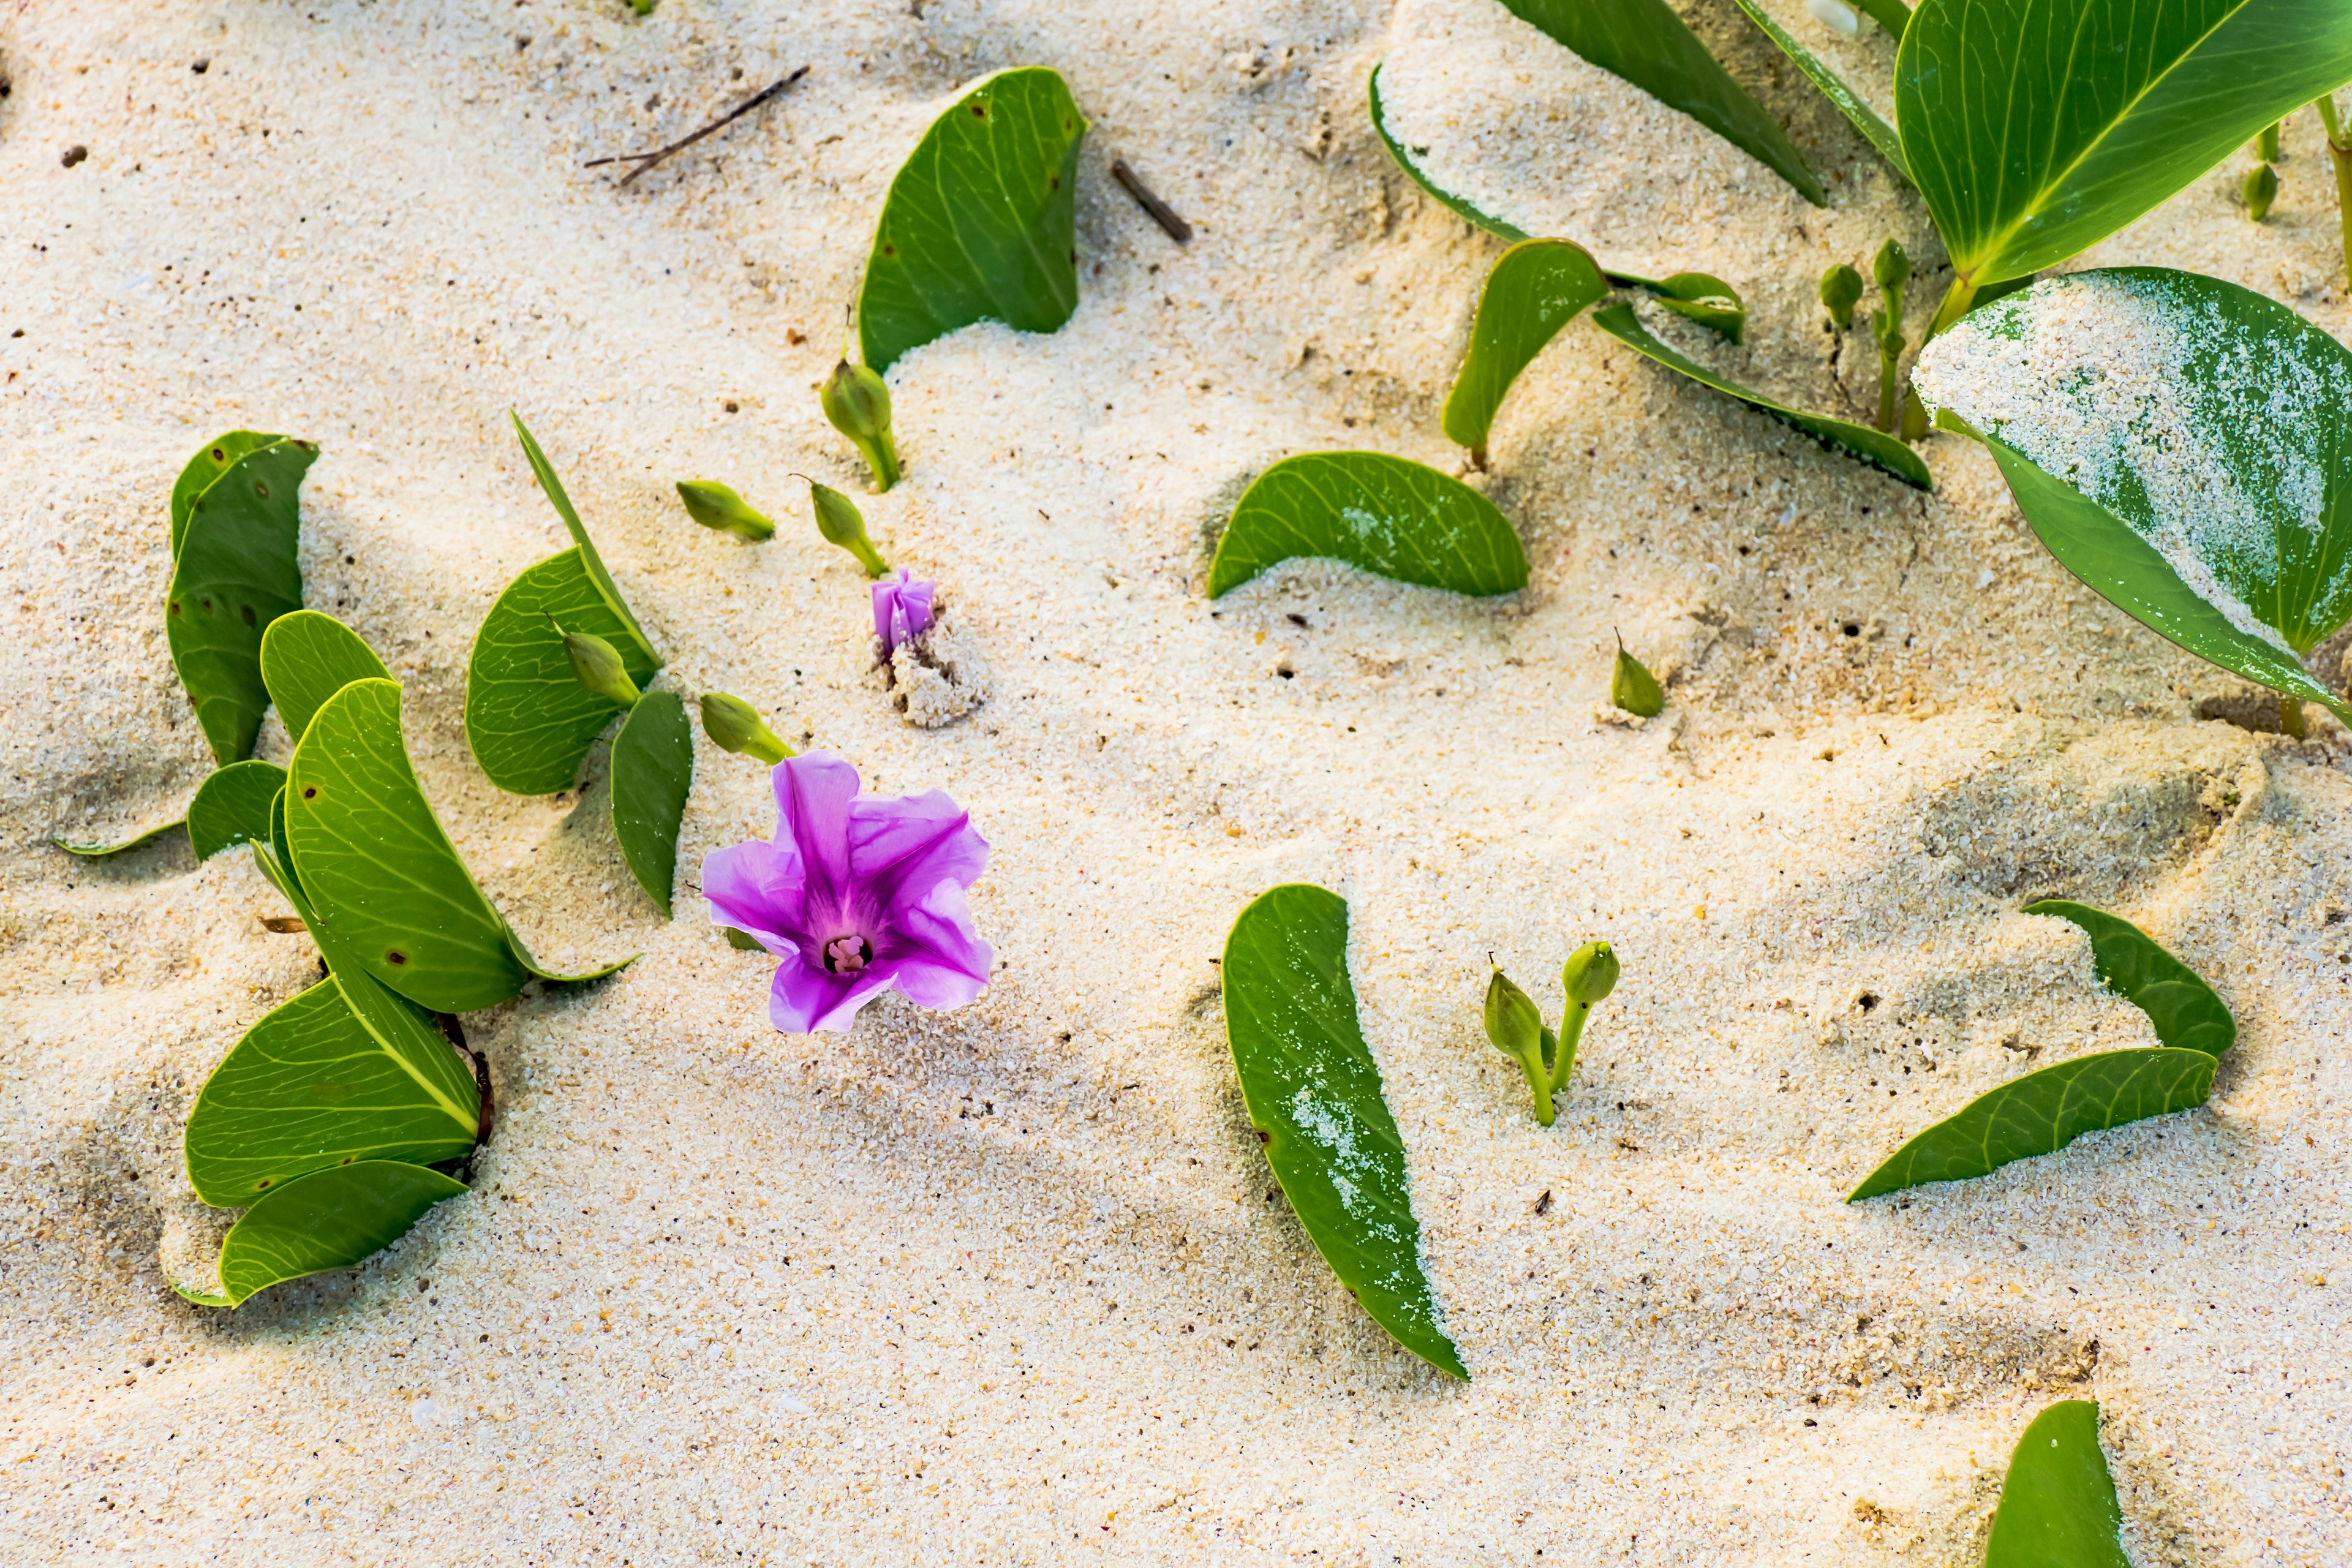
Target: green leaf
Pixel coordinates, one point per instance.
(2185, 1010)
(332, 1218)
(1386, 515)
(237, 568)
(1537, 286)
(1895, 15)
(92, 851)
(528, 719)
(1314, 1095)
(1647, 43)
(231, 807)
(653, 768)
(1876, 131)
(2035, 129)
(978, 224)
(212, 460)
(1873, 447)
(306, 658)
(309, 1087)
(592, 563)
(2058, 1506)
(1459, 207)
(2183, 445)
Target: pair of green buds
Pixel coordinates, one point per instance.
(715, 505)
(1840, 290)
(1518, 1031)
(733, 724)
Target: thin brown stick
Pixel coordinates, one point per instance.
(646, 160)
(1161, 213)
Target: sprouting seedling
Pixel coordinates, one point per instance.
(734, 725)
(596, 664)
(1516, 1027)
(1892, 269)
(858, 402)
(838, 519)
(2260, 190)
(1841, 292)
(1589, 976)
(1633, 688)
(716, 506)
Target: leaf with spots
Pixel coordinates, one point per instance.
(331, 1218)
(1314, 1094)
(237, 568)
(2058, 1506)
(652, 770)
(1389, 516)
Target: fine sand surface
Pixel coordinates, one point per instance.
(1011, 1285)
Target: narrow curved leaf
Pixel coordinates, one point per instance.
(1874, 131)
(1314, 1095)
(1387, 515)
(2043, 1112)
(2186, 1011)
(1459, 207)
(2035, 129)
(592, 563)
(231, 807)
(309, 1087)
(528, 719)
(329, 1219)
(1647, 43)
(1875, 448)
(1537, 286)
(978, 224)
(91, 851)
(1895, 15)
(211, 459)
(653, 768)
(2058, 1506)
(2183, 445)
(237, 568)
(306, 658)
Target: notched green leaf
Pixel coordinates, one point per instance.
(653, 769)
(237, 568)
(2058, 1506)
(1537, 286)
(2186, 1012)
(309, 656)
(212, 460)
(333, 1218)
(1315, 1096)
(1389, 516)
(231, 807)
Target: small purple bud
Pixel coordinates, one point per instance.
(902, 610)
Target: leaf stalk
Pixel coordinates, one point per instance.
(2340, 153)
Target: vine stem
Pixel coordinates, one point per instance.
(1571, 1030)
(2291, 715)
(1539, 1084)
(2340, 153)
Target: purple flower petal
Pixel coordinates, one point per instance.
(902, 610)
(913, 842)
(945, 963)
(812, 794)
(758, 889)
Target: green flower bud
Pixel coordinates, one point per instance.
(1518, 1031)
(1590, 974)
(2261, 190)
(734, 725)
(2266, 145)
(596, 664)
(1841, 292)
(1633, 688)
(838, 519)
(1891, 268)
(857, 402)
(714, 505)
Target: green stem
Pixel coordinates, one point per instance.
(2340, 153)
(882, 457)
(1571, 1030)
(1956, 300)
(2291, 715)
(1540, 1087)
(1887, 387)
(875, 567)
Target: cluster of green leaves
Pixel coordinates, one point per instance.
(2044, 1111)
(532, 720)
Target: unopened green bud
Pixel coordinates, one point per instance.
(1518, 1031)
(1590, 974)
(734, 725)
(1633, 688)
(1841, 292)
(714, 505)
(857, 402)
(2261, 190)
(838, 519)
(2266, 145)
(596, 664)
(1891, 268)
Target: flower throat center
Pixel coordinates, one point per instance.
(848, 954)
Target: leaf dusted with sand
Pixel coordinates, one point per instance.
(1387, 515)
(333, 1218)
(1873, 447)
(2185, 1011)
(652, 770)
(1537, 286)
(307, 657)
(231, 807)
(236, 569)
(2058, 1506)
(979, 223)
(1314, 1095)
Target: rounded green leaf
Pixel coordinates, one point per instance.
(1875, 448)
(1314, 1095)
(528, 719)
(231, 807)
(2058, 1506)
(1536, 287)
(2035, 129)
(653, 769)
(309, 656)
(978, 224)
(1387, 515)
(2183, 445)
(237, 568)
(332, 1218)
(309, 1087)
(2185, 1011)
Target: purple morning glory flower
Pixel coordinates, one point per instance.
(902, 610)
(859, 894)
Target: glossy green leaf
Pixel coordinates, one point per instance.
(1874, 131)
(653, 768)
(1537, 286)
(2183, 445)
(590, 562)
(212, 460)
(978, 224)
(1645, 42)
(528, 719)
(2035, 129)
(231, 807)
(309, 1087)
(2058, 1506)
(1873, 447)
(1387, 515)
(309, 656)
(2185, 1011)
(333, 1218)
(91, 850)
(237, 568)
(1314, 1095)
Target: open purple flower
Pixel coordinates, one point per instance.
(902, 610)
(858, 894)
